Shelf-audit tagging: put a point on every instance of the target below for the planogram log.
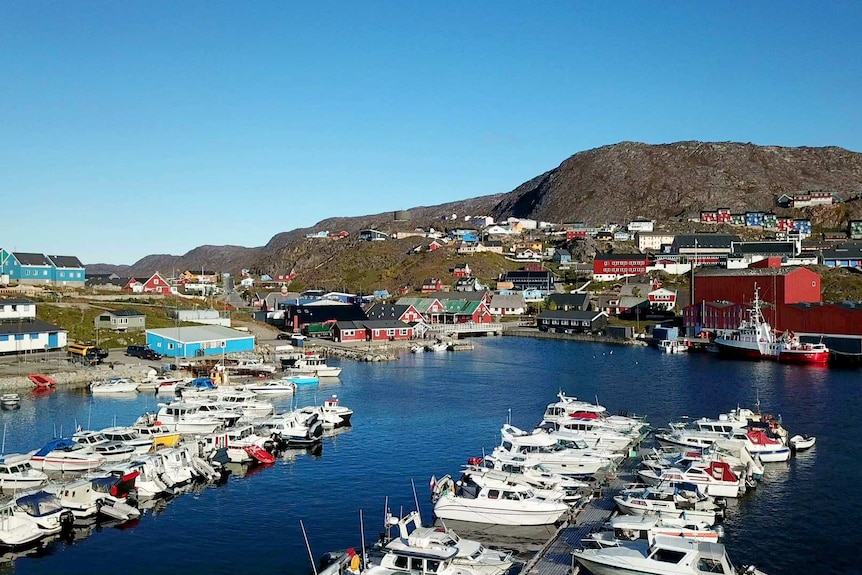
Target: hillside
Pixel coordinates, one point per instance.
(670, 183)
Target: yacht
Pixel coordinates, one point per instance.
(715, 478)
(150, 481)
(129, 436)
(17, 473)
(309, 364)
(545, 449)
(114, 385)
(236, 440)
(436, 550)
(568, 408)
(679, 501)
(66, 455)
(87, 497)
(112, 451)
(665, 555)
(246, 402)
(186, 418)
(546, 484)
(17, 529)
(644, 527)
(479, 499)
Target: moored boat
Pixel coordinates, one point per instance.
(802, 442)
(10, 401)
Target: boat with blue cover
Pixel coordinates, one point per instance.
(63, 454)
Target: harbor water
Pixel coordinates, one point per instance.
(425, 415)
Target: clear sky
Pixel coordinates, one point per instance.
(136, 127)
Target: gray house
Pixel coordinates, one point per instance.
(572, 321)
(121, 320)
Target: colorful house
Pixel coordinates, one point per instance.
(462, 270)
(431, 285)
(22, 332)
(199, 341)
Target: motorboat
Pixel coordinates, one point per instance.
(184, 417)
(114, 385)
(623, 528)
(178, 466)
(672, 346)
(236, 440)
(168, 385)
(546, 484)
(596, 438)
(332, 414)
(10, 401)
(149, 426)
(665, 555)
(298, 380)
(737, 456)
(438, 346)
(545, 449)
(681, 500)
(119, 494)
(755, 339)
(436, 550)
(17, 529)
(17, 473)
(150, 481)
(247, 402)
(129, 436)
(152, 382)
(293, 428)
(276, 386)
(45, 510)
(310, 363)
(208, 406)
(567, 408)
(87, 497)
(802, 442)
(479, 499)
(113, 451)
(715, 478)
(199, 386)
(66, 455)
(759, 443)
(248, 367)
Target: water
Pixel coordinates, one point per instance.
(427, 413)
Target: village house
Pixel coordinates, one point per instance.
(372, 235)
(121, 320)
(39, 269)
(508, 304)
(530, 279)
(569, 301)
(431, 285)
(469, 284)
(561, 256)
(462, 270)
(22, 332)
(653, 241)
(610, 267)
(572, 321)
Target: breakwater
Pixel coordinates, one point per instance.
(535, 333)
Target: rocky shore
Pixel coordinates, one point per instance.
(69, 376)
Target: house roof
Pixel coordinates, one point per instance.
(381, 311)
(705, 241)
(630, 301)
(384, 324)
(636, 257)
(782, 271)
(460, 306)
(321, 313)
(569, 299)
(349, 325)
(507, 301)
(422, 304)
(198, 333)
(784, 248)
(521, 274)
(28, 259)
(66, 261)
(563, 252)
(571, 314)
(629, 289)
(125, 313)
(15, 301)
(466, 295)
(29, 326)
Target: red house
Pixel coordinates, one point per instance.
(386, 330)
(349, 331)
(781, 286)
(134, 285)
(394, 312)
(431, 285)
(609, 267)
(156, 284)
(462, 270)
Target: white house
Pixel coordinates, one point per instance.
(641, 225)
(497, 230)
(21, 332)
(247, 282)
(663, 298)
(17, 309)
(508, 304)
(652, 241)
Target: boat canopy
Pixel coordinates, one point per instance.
(39, 504)
(54, 445)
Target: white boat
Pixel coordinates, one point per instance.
(248, 367)
(186, 418)
(129, 436)
(665, 555)
(168, 385)
(546, 484)
(17, 473)
(679, 501)
(715, 478)
(737, 456)
(17, 529)
(802, 442)
(672, 346)
(438, 346)
(10, 401)
(235, 441)
(293, 428)
(624, 528)
(45, 510)
(545, 449)
(114, 385)
(150, 481)
(86, 497)
(332, 414)
(112, 451)
(309, 364)
(271, 387)
(251, 406)
(177, 462)
(436, 550)
(66, 455)
(479, 499)
(208, 406)
(571, 408)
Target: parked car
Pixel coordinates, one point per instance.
(283, 335)
(143, 352)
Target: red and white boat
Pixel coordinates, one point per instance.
(755, 339)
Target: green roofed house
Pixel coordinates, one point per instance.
(121, 320)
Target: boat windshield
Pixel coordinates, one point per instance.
(39, 504)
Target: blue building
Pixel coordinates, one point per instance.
(38, 269)
(199, 341)
(754, 219)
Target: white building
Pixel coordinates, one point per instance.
(508, 304)
(641, 226)
(652, 241)
(22, 332)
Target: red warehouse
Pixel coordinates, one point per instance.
(785, 285)
(608, 267)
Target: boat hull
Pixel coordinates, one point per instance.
(449, 507)
(801, 357)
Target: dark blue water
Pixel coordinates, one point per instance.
(427, 413)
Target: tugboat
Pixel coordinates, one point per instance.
(755, 339)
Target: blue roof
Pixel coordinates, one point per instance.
(202, 383)
(54, 444)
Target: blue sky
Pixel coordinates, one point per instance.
(131, 128)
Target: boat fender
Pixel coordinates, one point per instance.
(157, 422)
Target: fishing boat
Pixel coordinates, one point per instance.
(755, 339)
(672, 346)
(666, 555)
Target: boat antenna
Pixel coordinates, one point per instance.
(308, 547)
(415, 497)
(386, 515)
(509, 417)
(3, 448)
(362, 535)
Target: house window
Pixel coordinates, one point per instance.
(26, 272)
(44, 272)
(62, 274)
(403, 331)
(19, 337)
(170, 346)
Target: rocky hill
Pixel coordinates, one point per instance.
(668, 182)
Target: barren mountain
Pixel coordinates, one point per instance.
(668, 182)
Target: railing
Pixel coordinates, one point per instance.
(467, 327)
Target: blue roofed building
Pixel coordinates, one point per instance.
(199, 341)
(39, 269)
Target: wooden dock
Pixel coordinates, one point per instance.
(555, 558)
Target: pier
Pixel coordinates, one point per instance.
(555, 558)
(458, 330)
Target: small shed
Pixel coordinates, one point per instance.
(197, 341)
(121, 320)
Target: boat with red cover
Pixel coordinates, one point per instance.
(755, 339)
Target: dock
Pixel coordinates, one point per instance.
(555, 558)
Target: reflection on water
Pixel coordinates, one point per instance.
(521, 539)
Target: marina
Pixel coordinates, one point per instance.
(400, 404)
